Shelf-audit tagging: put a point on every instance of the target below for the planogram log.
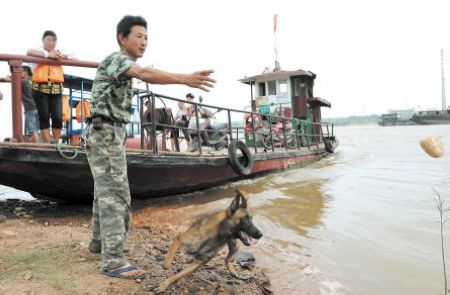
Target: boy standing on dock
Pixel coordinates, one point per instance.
(111, 104)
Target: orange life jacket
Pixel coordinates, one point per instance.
(86, 110)
(66, 110)
(46, 73)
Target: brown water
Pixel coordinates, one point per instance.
(361, 221)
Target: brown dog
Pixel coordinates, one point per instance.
(209, 234)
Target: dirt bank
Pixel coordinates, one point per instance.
(43, 249)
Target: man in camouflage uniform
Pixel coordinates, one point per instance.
(111, 110)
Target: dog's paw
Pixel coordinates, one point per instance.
(160, 290)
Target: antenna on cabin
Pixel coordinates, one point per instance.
(444, 103)
(277, 64)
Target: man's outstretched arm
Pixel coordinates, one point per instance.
(200, 79)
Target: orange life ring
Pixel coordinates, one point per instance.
(66, 110)
(86, 110)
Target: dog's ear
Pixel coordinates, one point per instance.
(243, 197)
(234, 205)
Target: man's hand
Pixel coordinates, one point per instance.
(53, 54)
(61, 56)
(201, 80)
(1, 96)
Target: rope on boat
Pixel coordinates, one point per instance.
(66, 156)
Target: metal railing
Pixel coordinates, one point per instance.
(305, 133)
(302, 132)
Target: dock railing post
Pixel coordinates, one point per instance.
(254, 133)
(230, 131)
(297, 139)
(308, 142)
(82, 105)
(197, 123)
(284, 133)
(321, 134)
(154, 142)
(70, 123)
(16, 91)
(141, 114)
(271, 134)
(317, 136)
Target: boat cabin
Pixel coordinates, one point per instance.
(289, 94)
(289, 90)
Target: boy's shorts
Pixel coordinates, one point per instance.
(31, 122)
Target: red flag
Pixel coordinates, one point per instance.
(275, 16)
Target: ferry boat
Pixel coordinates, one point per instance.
(282, 129)
(397, 118)
(432, 117)
(427, 117)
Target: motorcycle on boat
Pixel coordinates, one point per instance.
(212, 132)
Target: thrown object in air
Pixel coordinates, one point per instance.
(433, 146)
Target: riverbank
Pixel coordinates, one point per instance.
(43, 249)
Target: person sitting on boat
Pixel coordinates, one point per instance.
(48, 87)
(29, 106)
(190, 108)
(181, 119)
(112, 94)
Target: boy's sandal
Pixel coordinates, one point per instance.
(119, 272)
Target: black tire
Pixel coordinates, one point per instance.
(241, 164)
(328, 145)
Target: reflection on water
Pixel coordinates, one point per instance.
(361, 221)
(297, 207)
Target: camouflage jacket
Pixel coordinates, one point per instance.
(112, 92)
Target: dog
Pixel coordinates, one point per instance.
(209, 234)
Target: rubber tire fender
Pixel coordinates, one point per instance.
(328, 145)
(242, 165)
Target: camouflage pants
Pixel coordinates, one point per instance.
(111, 216)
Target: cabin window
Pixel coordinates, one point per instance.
(283, 86)
(262, 89)
(303, 90)
(272, 87)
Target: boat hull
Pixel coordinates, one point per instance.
(45, 174)
(430, 121)
(432, 117)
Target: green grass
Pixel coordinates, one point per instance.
(48, 265)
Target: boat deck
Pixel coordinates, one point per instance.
(206, 152)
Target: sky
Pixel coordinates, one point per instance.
(369, 56)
